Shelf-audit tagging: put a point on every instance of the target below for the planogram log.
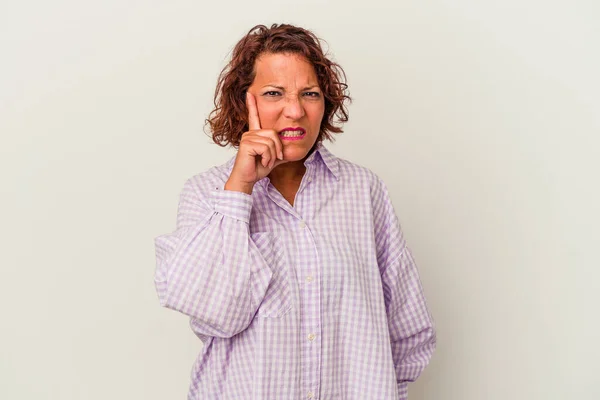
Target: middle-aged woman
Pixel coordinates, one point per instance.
(290, 261)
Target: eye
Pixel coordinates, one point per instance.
(312, 94)
(271, 93)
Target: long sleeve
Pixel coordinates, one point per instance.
(412, 332)
(209, 268)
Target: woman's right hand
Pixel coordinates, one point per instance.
(259, 152)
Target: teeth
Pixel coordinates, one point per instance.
(291, 133)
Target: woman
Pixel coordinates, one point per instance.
(290, 261)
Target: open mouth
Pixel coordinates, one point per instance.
(292, 134)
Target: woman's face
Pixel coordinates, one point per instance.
(288, 97)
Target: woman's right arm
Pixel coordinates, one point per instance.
(209, 268)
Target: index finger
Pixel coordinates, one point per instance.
(253, 120)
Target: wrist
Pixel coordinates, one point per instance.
(239, 186)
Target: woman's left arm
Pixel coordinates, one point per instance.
(411, 326)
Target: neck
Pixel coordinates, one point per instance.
(290, 172)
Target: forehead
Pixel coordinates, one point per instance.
(282, 69)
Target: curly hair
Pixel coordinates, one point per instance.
(229, 119)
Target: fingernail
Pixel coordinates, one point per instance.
(281, 155)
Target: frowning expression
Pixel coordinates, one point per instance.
(289, 100)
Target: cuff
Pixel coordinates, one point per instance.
(233, 204)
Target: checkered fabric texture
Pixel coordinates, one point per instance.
(319, 300)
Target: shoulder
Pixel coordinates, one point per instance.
(209, 180)
(366, 184)
(361, 175)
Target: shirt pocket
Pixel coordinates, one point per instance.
(278, 298)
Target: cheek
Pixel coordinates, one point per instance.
(267, 113)
(316, 113)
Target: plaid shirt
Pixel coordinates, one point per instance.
(321, 300)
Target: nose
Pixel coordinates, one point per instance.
(293, 108)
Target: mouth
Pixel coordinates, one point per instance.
(292, 133)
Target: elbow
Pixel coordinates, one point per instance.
(162, 288)
(428, 340)
(233, 330)
(235, 324)
(223, 321)
(210, 328)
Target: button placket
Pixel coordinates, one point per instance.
(311, 297)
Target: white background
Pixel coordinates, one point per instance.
(481, 116)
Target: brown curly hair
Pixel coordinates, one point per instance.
(229, 119)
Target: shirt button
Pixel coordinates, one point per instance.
(309, 278)
(302, 224)
(311, 336)
(310, 395)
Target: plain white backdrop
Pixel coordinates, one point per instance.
(483, 118)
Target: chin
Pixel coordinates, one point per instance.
(295, 154)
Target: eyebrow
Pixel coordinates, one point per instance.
(283, 89)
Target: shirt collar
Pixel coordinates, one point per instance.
(320, 154)
(331, 162)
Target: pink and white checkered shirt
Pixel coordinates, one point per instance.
(321, 300)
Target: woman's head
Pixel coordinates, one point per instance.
(269, 49)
